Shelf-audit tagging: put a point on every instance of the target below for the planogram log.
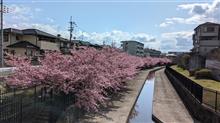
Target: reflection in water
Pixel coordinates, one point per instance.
(142, 112)
(134, 112)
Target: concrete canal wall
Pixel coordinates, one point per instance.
(197, 109)
(120, 109)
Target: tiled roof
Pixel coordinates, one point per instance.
(37, 32)
(12, 30)
(31, 32)
(23, 44)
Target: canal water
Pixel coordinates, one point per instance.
(142, 111)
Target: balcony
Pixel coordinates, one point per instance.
(209, 34)
(209, 43)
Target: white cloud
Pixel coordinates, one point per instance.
(184, 34)
(23, 17)
(177, 41)
(198, 13)
(117, 36)
(20, 13)
(97, 38)
(196, 8)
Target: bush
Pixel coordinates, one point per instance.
(192, 72)
(183, 61)
(203, 74)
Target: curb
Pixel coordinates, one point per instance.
(155, 119)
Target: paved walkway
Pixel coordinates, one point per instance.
(167, 105)
(120, 107)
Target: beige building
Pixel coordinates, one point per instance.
(133, 48)
(206, 38)
(32, 42)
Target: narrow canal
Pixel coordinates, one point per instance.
(142, 111)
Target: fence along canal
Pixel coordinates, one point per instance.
(34, 105)
(206, 96)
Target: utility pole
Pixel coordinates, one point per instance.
(103, 43)
(1, 37)
(71, 29)
(3, 10)
(113, 44)
(82, 35)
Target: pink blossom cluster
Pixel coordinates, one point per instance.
(149, 62)
(86, 73)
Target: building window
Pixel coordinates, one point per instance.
(47, 39)
(5, 37)
(17, 38)
(208, 38)
(209, 29)
(29, 53)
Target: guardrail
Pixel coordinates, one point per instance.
(205, 96)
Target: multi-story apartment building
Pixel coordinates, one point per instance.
(32, 42)
(133, 48)
(206, 38)
(152, 52)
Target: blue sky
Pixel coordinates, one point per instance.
(163, 25)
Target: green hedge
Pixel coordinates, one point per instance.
(193, 72)
(203, 74)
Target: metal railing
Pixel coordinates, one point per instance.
(27, 105)
(206, 96)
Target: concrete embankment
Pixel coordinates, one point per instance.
(167, 105)
(120, 108)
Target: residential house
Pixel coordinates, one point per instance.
(206, 38)
(133, 47)
(64, 44)
(32, 42)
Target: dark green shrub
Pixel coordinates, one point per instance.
(203, 74)
(183, 61)
(192, 72)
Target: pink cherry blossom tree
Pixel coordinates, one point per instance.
(86, 73)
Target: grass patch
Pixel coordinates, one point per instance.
(207, 83)
(209, 96)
